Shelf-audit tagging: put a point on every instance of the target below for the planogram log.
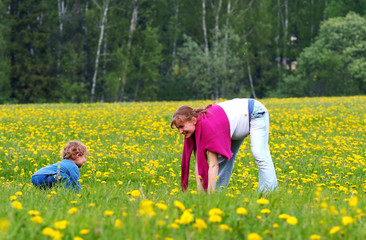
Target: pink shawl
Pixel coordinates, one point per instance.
(212, 134)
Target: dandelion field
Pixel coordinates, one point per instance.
(131, 180)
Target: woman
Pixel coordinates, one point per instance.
(217, 131)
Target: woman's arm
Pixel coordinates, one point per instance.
(212, 171)
(198, 179)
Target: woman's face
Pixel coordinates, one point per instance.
(187, 128)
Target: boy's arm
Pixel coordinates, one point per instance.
(74, 177)
(213, 171)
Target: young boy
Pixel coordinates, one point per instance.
(66, 171)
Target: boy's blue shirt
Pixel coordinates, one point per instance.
(66, 169)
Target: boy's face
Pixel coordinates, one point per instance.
(80, 160)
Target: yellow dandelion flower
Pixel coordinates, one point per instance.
(78, 238)
(215, 211)
(225, 227)
(200, 224)
(4, 224)
(108, 213)
(33, 212)
(334, 230)
(275, 225)
(315, 237)
(17, 205)
(333, 210)
(347, 220)
(92, 205)
(61, 224)
(19, 193)
(292, 220)
(135, 193)
(323, 205)
(353, 202)
(118, 223)
(56, 235)
(241, 211)
(84, 231)
(37, 219)
(262, 201)
(146, 208)
(265, 211)
(161, 206)
(161, 223)
(72, 210)
(254, 236)
(12, 198)
(179, 205)
(284, 216)
(48, 231)
(186, 217)
(174, 225)
(215, 218)
(73, 202)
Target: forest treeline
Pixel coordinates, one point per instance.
(144, 50)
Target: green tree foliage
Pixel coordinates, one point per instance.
(146, 59)
(217, 75)
(31, 52)
(335, 63)
(340, 8)
(5, 87)
(173, 50)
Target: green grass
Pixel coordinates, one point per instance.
(317, 145)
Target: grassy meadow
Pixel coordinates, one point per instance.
(131, 180)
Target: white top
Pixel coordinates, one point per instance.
(237, 112)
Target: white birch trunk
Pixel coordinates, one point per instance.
(285, 33)
(104, 73)
(217, 27)
(174, 52)
(251, 79)
(226, 40)
(129, 45)
(227, 26)
(204, 28)
(312, 21)
(61, 15)
(104, 19)
(324, 12)
(278, 37)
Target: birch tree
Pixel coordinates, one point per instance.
(174, 51)
(61, 17)
(133, 22)
(204, 27)
(102, 26)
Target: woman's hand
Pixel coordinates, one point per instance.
(198, 179)
(213, 171)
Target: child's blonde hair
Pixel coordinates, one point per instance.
(73, 149)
